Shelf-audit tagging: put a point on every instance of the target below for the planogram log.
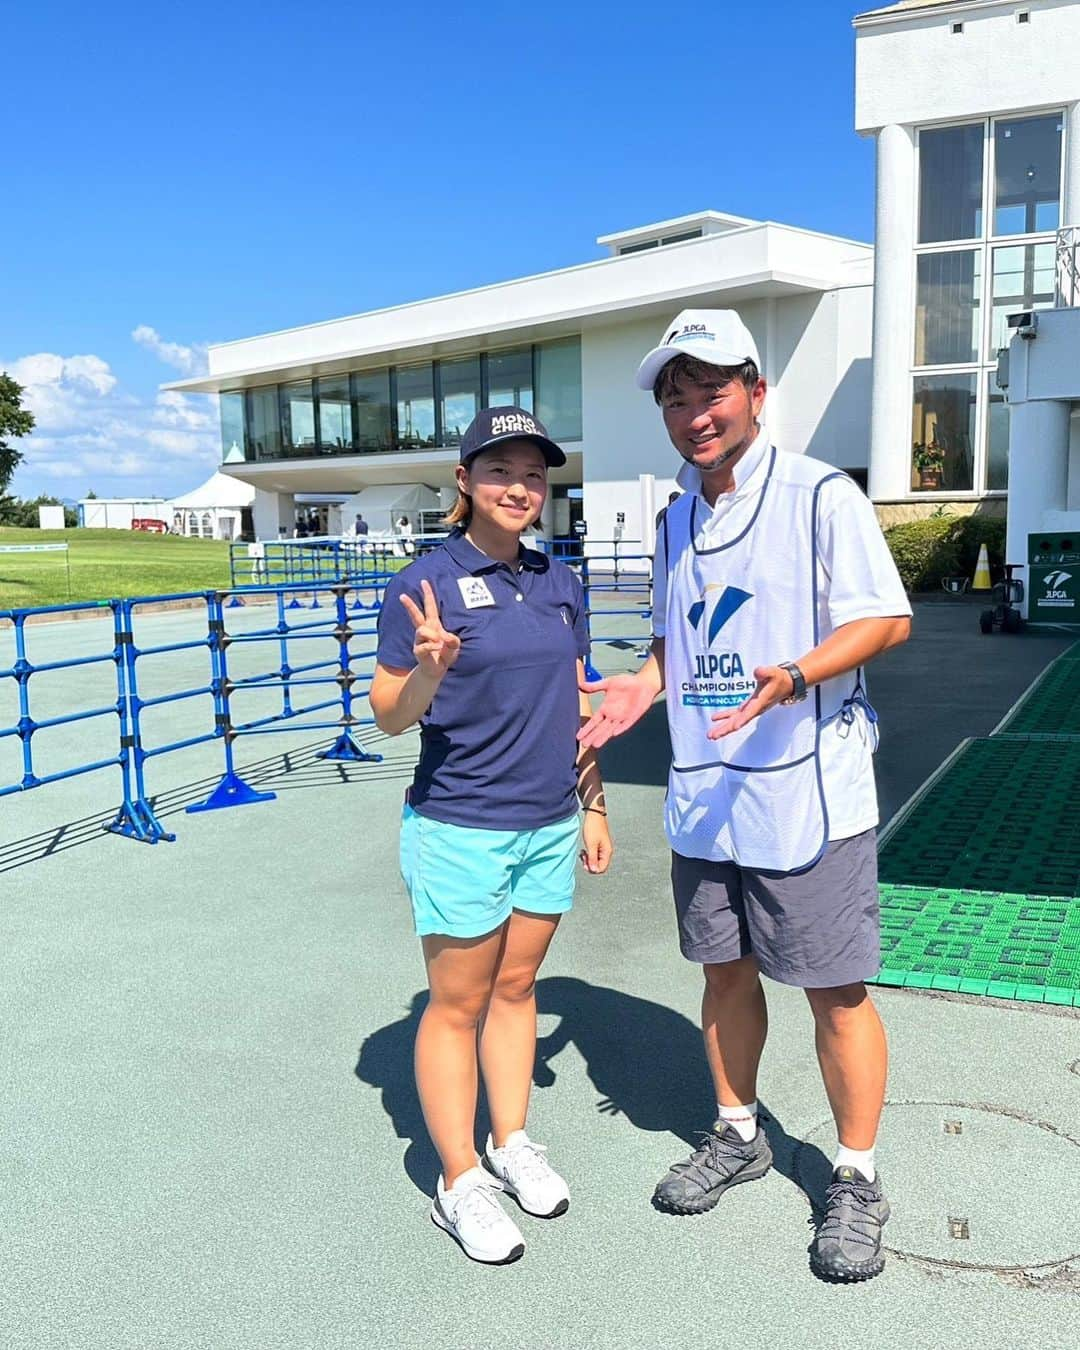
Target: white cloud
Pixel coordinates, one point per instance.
(91, 433)
(174, 409)
(189, 360)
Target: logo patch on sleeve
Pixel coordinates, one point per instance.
(474, 592)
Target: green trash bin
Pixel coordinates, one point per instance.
(1054, 578)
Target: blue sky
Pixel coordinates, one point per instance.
(183, 175)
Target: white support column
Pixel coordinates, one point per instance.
(545, 526)
(890, 412)
(1071, 206)
(1038, 472)
(771, 416)
(271, 512)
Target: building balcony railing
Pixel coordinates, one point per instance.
(1067, 266)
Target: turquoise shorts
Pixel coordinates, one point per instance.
(464, 882)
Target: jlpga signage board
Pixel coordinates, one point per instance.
(1054, 578)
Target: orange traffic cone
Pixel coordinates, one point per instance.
(982, 571)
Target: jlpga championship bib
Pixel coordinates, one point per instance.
(754, 797)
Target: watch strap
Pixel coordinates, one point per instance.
(798, 682)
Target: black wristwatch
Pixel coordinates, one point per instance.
(798, 684)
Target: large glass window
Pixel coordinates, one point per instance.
(1023, 279)
(415, 407)
(943, 433)
(298, 417)
(558, 388)
(987, 182)
(231, 407)
(510, 379)
(264, 423)
(459, 382)
(335, 414)
(950, 183)
(412, 407)
(371, 395)
(948, 289)
(997, 437)
(1027, 175)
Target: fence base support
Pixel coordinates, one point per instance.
(345, 747)
(591, 673)
(231, 791)
(136, 820)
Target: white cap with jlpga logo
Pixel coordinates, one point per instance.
(717, 336)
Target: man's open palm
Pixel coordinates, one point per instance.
(626, 700)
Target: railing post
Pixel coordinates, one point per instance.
(135, 818)
(346, 746)
(232, 790)
(591, 672)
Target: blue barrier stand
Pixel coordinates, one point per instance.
(128, 819)
(142, 810)
(136, 818)
(346, 747)
(232, 790)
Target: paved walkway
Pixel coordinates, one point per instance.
(209, 1137)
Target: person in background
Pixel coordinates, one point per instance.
(673, 497)
(482, 641)
(361, 528)
(405, 531)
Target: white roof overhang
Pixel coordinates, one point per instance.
(758, 262)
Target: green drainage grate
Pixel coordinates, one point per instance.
(981, 942)
(1004, 817)
(1053, 706)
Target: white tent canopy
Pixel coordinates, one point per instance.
(384, 503)
(212, 511)
(219, 490)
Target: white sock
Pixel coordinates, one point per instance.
(742, 1119)
(862, 1158)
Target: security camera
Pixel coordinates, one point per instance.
(1025, 325)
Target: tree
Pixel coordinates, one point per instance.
(15, 511)
(14, 421)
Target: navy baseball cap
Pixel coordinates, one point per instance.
(490, 426)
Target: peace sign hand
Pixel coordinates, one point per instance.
(435, 649)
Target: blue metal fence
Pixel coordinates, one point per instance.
(307, 691)
(310, 690)
(22, 672)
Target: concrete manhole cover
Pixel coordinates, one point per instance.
(970, 1185)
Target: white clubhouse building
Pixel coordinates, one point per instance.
(975, 109)
(382, 398)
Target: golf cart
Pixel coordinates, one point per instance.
(1005, 615)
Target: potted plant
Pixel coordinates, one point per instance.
(929, 463)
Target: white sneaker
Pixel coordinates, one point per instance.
(528, 1176)
(470, 1212)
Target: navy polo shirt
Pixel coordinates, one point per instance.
(499, 742)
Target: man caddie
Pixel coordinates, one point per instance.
(773, 589)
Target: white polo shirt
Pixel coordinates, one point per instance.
(857, 579)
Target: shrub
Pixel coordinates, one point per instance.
(925, 551)
(988, 530)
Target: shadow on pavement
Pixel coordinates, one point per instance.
(289, 770)
(645, 1060)
(643, 755)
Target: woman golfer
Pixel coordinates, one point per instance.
(482, 642)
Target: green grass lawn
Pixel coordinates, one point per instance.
(107, 563)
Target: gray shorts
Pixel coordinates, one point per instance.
(816, 929)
